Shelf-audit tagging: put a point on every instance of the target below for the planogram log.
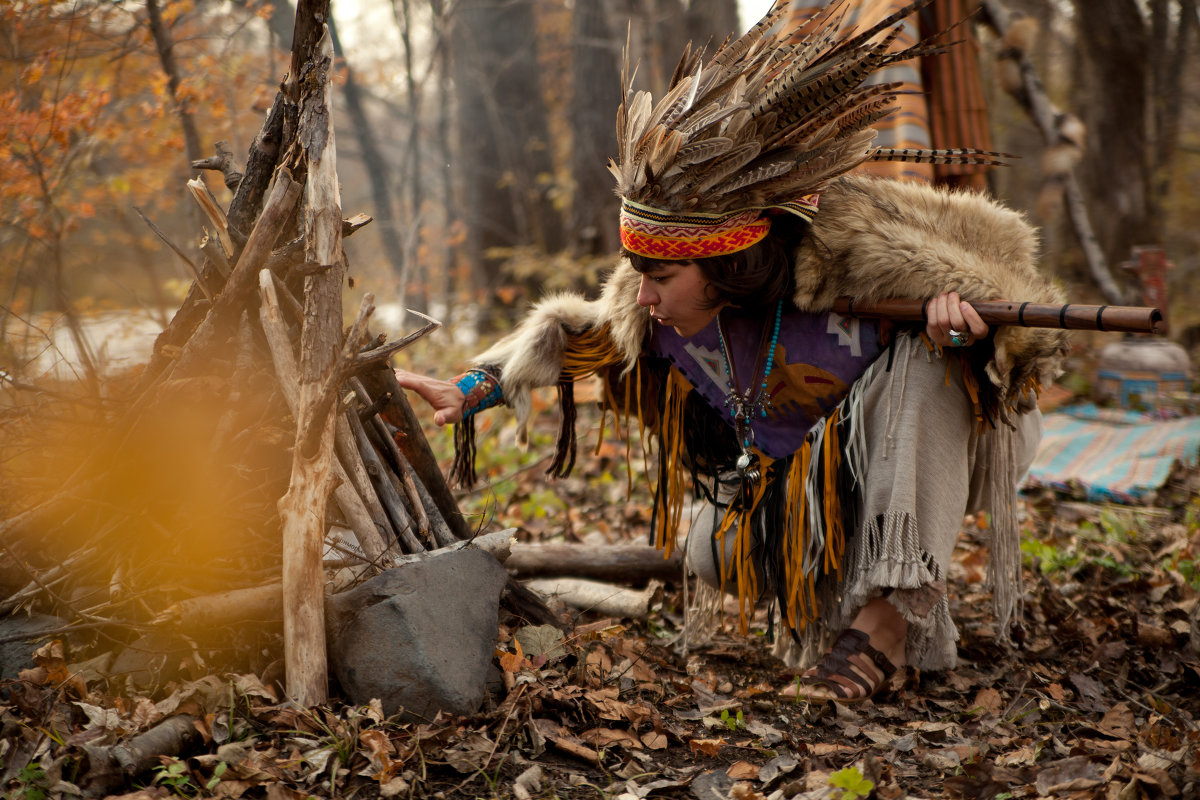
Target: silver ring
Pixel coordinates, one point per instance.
(958, 338)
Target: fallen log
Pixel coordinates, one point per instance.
(600, 598)
(621, 563)
(107, 769)
(265, 602)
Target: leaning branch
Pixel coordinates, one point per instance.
(1029, 92)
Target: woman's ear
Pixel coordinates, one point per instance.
(713, 297)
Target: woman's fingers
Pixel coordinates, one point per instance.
(950, 322)
(937, 320)
(445, 398)
(979, 329)
(955, 314)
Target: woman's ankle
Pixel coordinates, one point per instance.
(886, 627)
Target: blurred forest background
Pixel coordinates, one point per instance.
(475, 133)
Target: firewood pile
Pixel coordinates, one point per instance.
(216, 489)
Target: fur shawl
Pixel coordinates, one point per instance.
(873, 239)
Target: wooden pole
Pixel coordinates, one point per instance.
(302, 509)
(287, 372)
(1067, 316)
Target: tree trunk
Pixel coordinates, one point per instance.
(503, 134)
(413, 179)
(1115, 41)
(165, 44)
(1171, 48)
(446, 289)
(595, 95)
(1027, 89)
(376, 167)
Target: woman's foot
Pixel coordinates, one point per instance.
(860, 662)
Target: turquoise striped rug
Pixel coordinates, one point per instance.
(1111, 455)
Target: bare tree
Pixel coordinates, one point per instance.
(595, 95)
(414, 183)
(505, 155)
(1133, 60)
(378, 170)
(165, 44)
(599, 35)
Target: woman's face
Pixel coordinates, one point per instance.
(675, 293)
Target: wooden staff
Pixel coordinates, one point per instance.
(1070, 316)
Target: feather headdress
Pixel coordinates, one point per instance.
(766, 123)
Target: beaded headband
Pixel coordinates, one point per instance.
(654, 233)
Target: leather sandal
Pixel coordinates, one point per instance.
(850, 672)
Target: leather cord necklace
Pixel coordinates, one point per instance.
(745, 404)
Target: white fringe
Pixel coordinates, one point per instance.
(1004, 566)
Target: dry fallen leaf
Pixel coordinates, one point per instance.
(743, 771)
(655, 740)
(607, 737)
(709, 747)
(1118, 722)
(1069, 775)
(989, 700)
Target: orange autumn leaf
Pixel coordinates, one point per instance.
(989, 700)
(708, 747)
(52, 658)
(513, 662)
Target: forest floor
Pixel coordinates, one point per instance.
(1099, 699)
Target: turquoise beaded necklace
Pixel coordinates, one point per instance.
(743, 405)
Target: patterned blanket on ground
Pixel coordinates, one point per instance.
(1112, 455)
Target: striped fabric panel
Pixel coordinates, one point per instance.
(946, 107)
(1112, 456)
(908, 126)
(958, 114)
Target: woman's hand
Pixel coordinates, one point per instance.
(951, 322)
(444, 397)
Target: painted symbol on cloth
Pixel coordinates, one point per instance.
(803, 388)
(846, 329)
(710, 362)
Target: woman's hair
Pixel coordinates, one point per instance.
(752, 278)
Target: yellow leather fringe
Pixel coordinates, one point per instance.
(592, 352)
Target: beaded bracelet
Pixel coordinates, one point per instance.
(480, 388)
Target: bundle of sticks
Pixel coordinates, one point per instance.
(258, 429)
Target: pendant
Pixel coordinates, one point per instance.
(747, 467)
(739, 407)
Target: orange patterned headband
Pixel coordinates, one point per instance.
(655, 233)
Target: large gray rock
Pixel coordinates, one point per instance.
(419, 637)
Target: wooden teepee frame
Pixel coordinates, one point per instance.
(266, 306)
